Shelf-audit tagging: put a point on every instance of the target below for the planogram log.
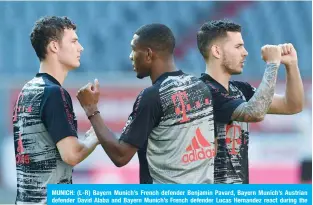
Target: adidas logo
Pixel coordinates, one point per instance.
(195, 152)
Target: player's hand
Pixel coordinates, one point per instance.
(88, 96)
(271, 54)
(90, 133)
(289, 54)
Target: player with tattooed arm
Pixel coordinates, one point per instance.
(236, 103)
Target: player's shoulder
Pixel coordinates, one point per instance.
(147, 97)
(179, 79)
(211, 83)
(174, 77)
(194, 78)
(54, 90)
(150, 92)
(208, 80)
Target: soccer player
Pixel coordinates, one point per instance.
(237, 103)
(171, 125)
(44, 123)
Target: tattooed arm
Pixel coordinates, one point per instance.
(293, 100)
(256, 108)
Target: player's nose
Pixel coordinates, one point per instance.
(245, 52)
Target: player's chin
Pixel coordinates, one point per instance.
(75, 65)
(141, 75)
(237, 72)
(78, 64)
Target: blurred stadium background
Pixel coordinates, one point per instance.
(280, 149)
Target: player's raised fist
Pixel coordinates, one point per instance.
(271, 53)
(89, 94)
(289, 54)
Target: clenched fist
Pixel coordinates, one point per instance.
(88, 95)
(271, 54)
(289, 54)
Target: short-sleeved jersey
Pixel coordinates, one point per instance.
(43, 115)
(172, 126)
(231, 161)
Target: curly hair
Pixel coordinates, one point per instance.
(47, 29)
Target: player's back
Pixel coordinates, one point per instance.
(38, 161)
(181, 148)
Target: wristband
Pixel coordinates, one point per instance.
(96, 112)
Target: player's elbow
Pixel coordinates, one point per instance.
(298, 108)
(294, 106)
(72, 163)
(121, 161)
(254, 118)
(71, 160)
(259, 118)
(119, 164)
(71, 151)
(295, 111)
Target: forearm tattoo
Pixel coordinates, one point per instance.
(258, 105)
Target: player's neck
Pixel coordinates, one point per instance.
(161, 68)
(219, 74)
(54, 69)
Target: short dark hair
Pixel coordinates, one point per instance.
(157, 37)
(45, 30)
(212, 30)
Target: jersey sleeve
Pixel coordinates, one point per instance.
(146, 114)
(57, 113)
(247, 89)
(224, 105)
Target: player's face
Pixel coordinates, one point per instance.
(234, 53)
(138, 56)
(70, 50)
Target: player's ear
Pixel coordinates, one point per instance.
(216, 51)
(149, 55)
(53, 46)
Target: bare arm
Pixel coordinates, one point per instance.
(59, 122)
(292, 101)
(119, 152)
(73, 150)
(145, 115)
(255, 109)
